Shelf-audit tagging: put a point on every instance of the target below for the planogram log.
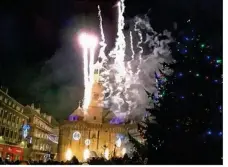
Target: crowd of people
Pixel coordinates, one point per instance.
(74, 161)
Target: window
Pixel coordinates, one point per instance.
(17, 157)
(15, 135)
(7, 133)
(9, 117)
(94, 118)
(18, 108)
(93, 136)
(13, 118)
(5, 114)
(11, 134)
(6, 100)
(3, 131)
(17, 120)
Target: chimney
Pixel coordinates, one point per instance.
(32, 106)
(38, 110)
(49, 118)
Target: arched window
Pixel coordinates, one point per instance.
(5, 114)
(13, 118)
(9, 117)
(17, 120)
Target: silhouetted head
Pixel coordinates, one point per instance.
(24, 163)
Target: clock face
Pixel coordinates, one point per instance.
(76, 135)
(87, 142)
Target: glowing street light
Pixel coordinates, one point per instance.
(124, 150)
(68, 154)
(118, 143)
(106, 153)
(86, 154)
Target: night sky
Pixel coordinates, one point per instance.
(38, 62)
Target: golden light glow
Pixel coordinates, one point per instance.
(118, 143)
(68, 154)
(106, 153)
(86, 154)
(88, 40)
(124, 150)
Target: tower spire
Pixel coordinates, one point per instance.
(79, 104)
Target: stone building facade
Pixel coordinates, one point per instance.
(92, 132)
(44, 138)
(13, 132)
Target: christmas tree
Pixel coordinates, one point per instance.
(189, 108)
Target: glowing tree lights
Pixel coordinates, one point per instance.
(88, 42)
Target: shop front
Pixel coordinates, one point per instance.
(12, 153)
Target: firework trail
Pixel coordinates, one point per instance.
(132, 46)
(86, 79)
(126, 78)
(88, 66)
(101, 27)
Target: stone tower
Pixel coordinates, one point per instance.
(95, 110)
(94, 126)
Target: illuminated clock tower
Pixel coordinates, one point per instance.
(91, 133)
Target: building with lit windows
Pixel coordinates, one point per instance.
(96, 132)
(43, 133)
(13, 128)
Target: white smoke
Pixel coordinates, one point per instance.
(134, 66)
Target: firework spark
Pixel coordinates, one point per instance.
(126, 78)
(88, 42)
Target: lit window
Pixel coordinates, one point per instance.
(18, 108)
